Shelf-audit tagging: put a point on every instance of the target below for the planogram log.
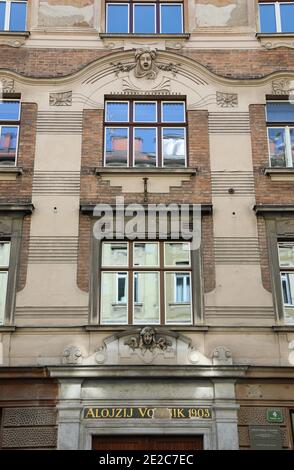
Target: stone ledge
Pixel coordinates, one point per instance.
(10, 171)
(23, 209)
(280, 174)
(141, 36)
(145, 171)
(274, 40)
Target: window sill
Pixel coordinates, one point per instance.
(113, 328)
(273, 40)
(284, 328)
(13, 38)
(4, 329)
(280, 174)
(22, 209)
(6, 172)
(145, 171)
(141, 36)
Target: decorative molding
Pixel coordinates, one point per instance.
(229, 123)
(281, 86)
(12, 42)
(72, 355)
(254, 391)
(232, 183)
(226, 100)
(239, 250)
(60, 99)
(6, 85)
(273, 45)
(60, 122)
(222, 356)
(66, 183)
(56, 250)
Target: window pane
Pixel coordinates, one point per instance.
(114, 297)
(292, 144)
(173, 112)
(280, 112)
(114, 254)
(3, 290)
(8, 144)
(173, 147)
(144, 19)
(9, 110)
(2, 15)
(117, 112)
(177, 254)
(117, 18)
(18, 16)
(267, 18)
(117, 145)
(277, 147)
(146, 297)
(145, 254)
(286, 255)
(145, 112)
(178, 298)
(287, 17)
(145, 145)
(4, 254)
(171, 19)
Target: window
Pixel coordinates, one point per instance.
(146, 283)
(144, 17)
(145, 133)
(13, 15)
(280, 124)
(286, 259)
(4, 267)
(9, 130)
(276, 17)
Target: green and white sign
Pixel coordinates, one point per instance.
(274, 415)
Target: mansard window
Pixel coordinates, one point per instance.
(276, 17)
(9, 131)
(13, 15)
(145, 134)
(146, 283)
(4, 268)
(144, 17)
(280, 124)
(286, 259)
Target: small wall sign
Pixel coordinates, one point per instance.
(265, 437)
(274, 415)
(144, 412)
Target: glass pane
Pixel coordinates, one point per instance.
(145, 145)
(173, 147)
(146, 296)
(117, 145)
(277, 147)
(114, 254)
(267, 18)
(292, 144)
(144, 18)
(171, 19)
(114, 297)
(177, 254)
(3, 290)
(280, 112)
(18, 16)
(2, 15)
(288, 288)
(145, 112)
(117, 112)
(145, 254)
(9, 110)
(117, 18)
(178, 298)
(8, 144)
(287, 17)
(173, 112)
(4, 254)
(286, 255)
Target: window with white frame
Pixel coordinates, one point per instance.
(145, 133)
(4, 268)
(146, 283)
(9, 131)
(286, 260)
(280, 128)
(13, 15)
(276, 17)
(144, 17)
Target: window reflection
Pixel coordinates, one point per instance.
(117, 144)
(174, 147)
(145, 146)
(146, 297)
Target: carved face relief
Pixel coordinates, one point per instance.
(145, 61)
(147, 336)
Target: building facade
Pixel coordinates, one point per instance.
(111, 341)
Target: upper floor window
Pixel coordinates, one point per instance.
(286, 259)
(145, 133)
(280, 124)
(4, 267)
(146, 283)
(157, 17)
(276, 17)
(9, 131)
(13, 15)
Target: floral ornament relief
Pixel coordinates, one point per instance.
(61, 99)
(227, 100)
(6, 85)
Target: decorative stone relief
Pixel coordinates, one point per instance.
(12, 42)
(6, 85)
(61, 99)
(274, 44)
(72, 355)
(281, 86)
(227, 100)
(222, 356)
(254, 391)
(147, 345)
